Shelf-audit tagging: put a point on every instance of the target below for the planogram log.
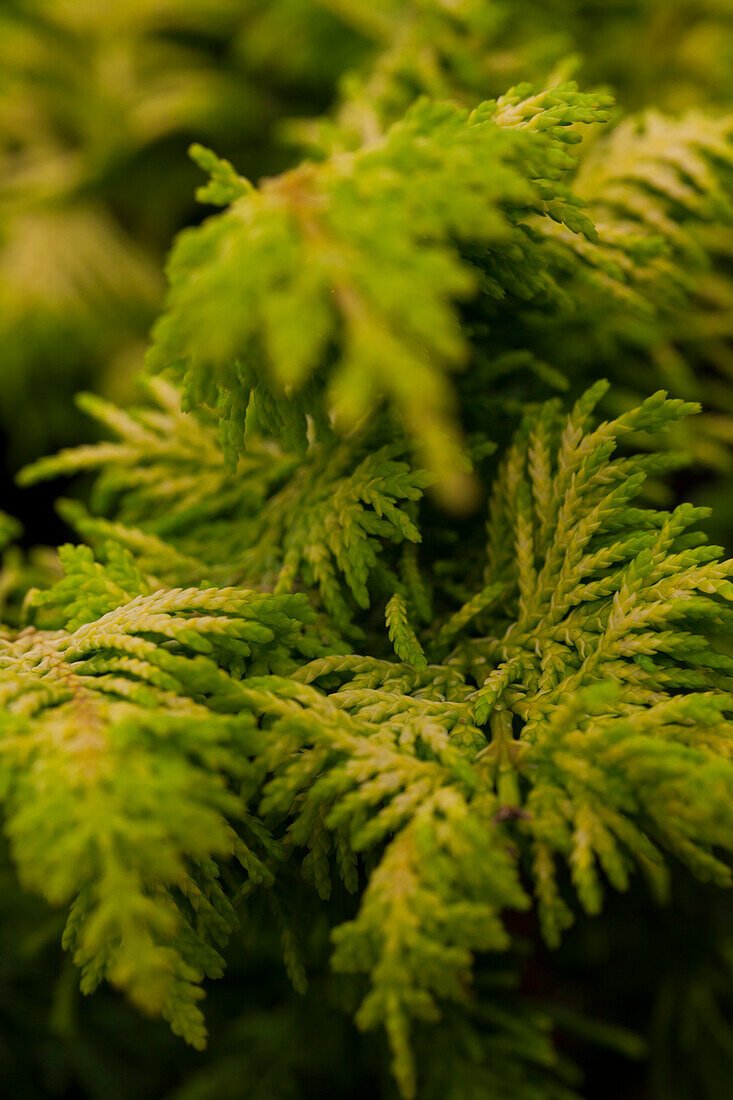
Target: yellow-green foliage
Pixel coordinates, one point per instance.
(360, 615)
(97, 102)
(121, 739)
(573, 712)
(365, 246)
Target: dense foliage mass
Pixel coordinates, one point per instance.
(387, 651)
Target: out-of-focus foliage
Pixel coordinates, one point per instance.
(98, 101)
(565, 260)
(242, 284)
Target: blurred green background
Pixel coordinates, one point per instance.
(99, 100)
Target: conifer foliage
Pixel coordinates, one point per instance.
(277, 652)
(553, 719)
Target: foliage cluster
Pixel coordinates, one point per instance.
(369, 630)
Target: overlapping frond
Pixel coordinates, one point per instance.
(363, 244)
(122, 754)
(566, 735)
(273, 519)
